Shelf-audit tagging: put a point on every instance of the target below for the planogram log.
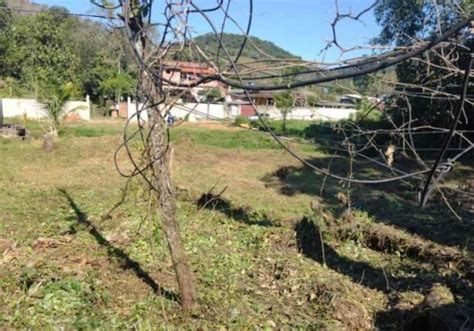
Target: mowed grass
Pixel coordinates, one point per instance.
(231, 137)
(72, 268)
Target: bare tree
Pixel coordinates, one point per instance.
(159, 157)
(159, 94)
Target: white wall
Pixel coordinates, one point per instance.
(202, 111)
(196, 111)
(35, 110)
(327, 114)
(20, 107)
(133, 108)
(273, 111)
(233, 111)
(81, 108)
(199, 111)
(310, 113)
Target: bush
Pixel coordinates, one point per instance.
(239, 120)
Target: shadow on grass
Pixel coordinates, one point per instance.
(310, 244)
(393, 203)
(216, 203)
(442, 318)
(125, 261)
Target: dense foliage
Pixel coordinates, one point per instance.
(232, 43)
(44, 50)
(403, 22)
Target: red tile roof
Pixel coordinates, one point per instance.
(195, 68)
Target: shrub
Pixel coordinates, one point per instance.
(239, 120)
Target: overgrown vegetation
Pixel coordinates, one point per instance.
(402, 23)
(53, 49)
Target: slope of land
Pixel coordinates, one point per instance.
(274, 250)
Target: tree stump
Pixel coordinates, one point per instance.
(48, 143)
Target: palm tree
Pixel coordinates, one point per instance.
(54, 100)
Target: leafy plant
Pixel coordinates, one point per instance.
(239, 120)
(284, 101)
(54, 100)
(311, 100)
(120, 83)
(367, 110)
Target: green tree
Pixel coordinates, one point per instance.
(117, 85)
(405, 21)
(38, 52)
(367, 111)
(103, 54)
(311, 100)
(284, 101)
(5, 22)
(53, 48)
(400, 21)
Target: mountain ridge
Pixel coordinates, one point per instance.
(232, 42)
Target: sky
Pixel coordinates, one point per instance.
(301, 27)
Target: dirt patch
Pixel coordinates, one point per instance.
(211, 201)
(213, 125)
(353, 315)
(5, 244)
(44, 243)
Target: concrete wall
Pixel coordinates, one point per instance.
(194, 111)
(35, 110)
(199, 111)
(81, 108)
(310, 113)
(321, 113)
(133, 109)
(233, 111)
(205, 111)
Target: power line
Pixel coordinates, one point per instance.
(348, 71)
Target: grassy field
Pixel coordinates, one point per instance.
(277, 249)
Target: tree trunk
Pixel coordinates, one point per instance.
(160, 152)
(54, 132)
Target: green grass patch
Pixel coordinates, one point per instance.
(234, 139)
(250, 273)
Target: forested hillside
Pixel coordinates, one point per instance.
(45, 47)
(232, 43)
